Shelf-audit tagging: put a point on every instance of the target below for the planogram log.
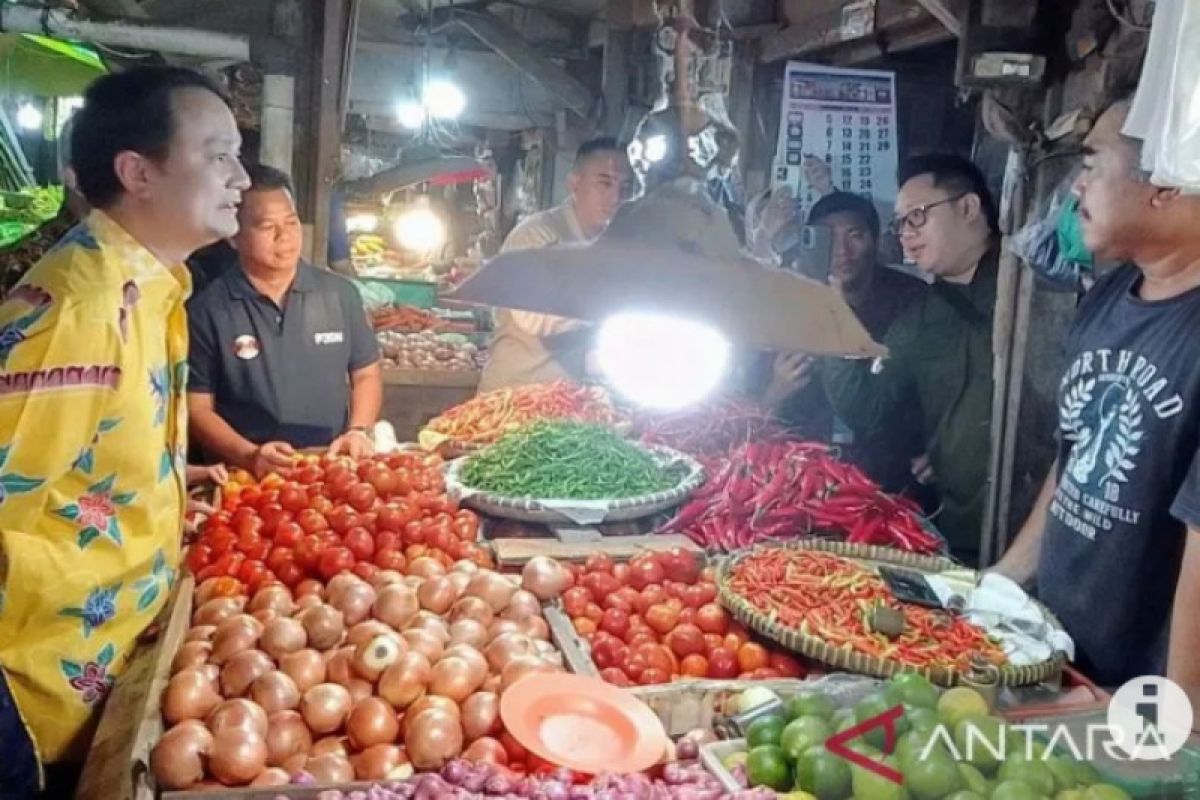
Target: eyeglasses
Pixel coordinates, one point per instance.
(916, 218)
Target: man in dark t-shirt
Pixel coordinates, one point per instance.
(1113, 539)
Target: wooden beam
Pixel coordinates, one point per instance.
(941, 11)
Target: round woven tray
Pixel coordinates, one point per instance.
(844, 657)
(530, 509)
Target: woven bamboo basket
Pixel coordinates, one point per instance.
(844, 657)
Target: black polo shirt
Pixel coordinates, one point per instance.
(280, 374)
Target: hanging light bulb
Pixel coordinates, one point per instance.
(443, 99)
(29, 117)
(419, 229)
(411, 114)
(656, 148)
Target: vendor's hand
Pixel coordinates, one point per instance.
(922, 469)
(272, 457)
(792, 372)
(355, 444)
(213, 473)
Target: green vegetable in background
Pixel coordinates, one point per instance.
(568, 460)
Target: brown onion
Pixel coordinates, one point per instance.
(475, 660)
(237, 757)
(459, 581)
(472, 608)
(435, 738)
(272, 776)
(549, 652)
(275, 691)
(189, 695)
(355, 602)
(385, 577)
(427, 703)
(218, 610)
(200, 633)
(486, 750)
(372, 721)
(501, 627)
(433, 623)
(373, 657)
(305, 667)
(325, 707)
(545, 577)
(287, 735)
(481, 715)
(405, 681)
(208, 589)
(465, 566)
(234, 635)
(336, 589)
(396, 605)
(240, 715)
(521, 605)
(470, 632)
(307, 601)
(424, 643)
(367, 630)
(295, 763)
(493, 588)
(177, 759)
(191, 654)
(309, 587)
(324, 625)
(378, 762)
(265, 615)
(426, 567)
(506, 647)
(330, 744)
(282, 636)
(452, 677)
(338, 667)
(437, 595)
(535, 628)
(413, 581)
(520, 667)
(359, 689)
(330, 768)
(242, 670)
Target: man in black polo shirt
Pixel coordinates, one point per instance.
(281, 355)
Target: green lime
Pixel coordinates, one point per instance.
(932, 775)
(810, 704)
(974, 779)
(1063, 772)
(980, 741)
(823, 774)
(873, 706)
(1085, 774)
(1105, 791)
(735, 760)
(843, 719)
(915, 690)
(869, 785)
(1014, 790)
(916, 744)
(764, 730)
(1069, 794)
(803, 733)
(920, 718)
(768, 766)
(1033, 772)
(959, 703)
(967, 794)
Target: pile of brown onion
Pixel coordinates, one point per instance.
(353, 680)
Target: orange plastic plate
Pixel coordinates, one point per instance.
(583, 723)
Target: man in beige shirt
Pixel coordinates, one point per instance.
(537, 348)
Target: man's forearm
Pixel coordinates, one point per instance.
(1183, 662)
(366, 396)
(1021, 561)
(219, 439)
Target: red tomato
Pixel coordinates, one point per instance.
(616, 677)
(290, 573)
(598, 562)
(198, 557)
(511, 746)
(618, 602)
(662, 619)
(307, 474)
(711, 618)
(694, 666)
(342, 518)
(231, 563)
(722, 664)
(337, 485)
(278, 557)
(621, 572)
(658, 657)
(761, 674)
(601, 584)
(382, 479)
(247, 526)
(359, 542)
(293, 498)
(693, 596)
(707, 592)
(675, 589)
(335, 560)
(288, 534)
(713, 642)
(649, 596)
(593, 612)
(752, 656)
(272, 515)
(311, 521)
(653, 675)
(361, 496)
(308, 551)
(252, 574)
(389, 558)
(633, 666)
(628, 594)
(680, 566)
(388, 539)
(368, 521)
(414, 533)
(686, 640)
(366, 570)
(687, 616)
(615, 622)
(583, 626)
(575, 600)
(608, 652)
(645, 571)
(638, 638)
(786, 665)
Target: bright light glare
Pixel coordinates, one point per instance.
(29, 117)
(362, 223)
(656, 148)
(444, 100)
(661, 361)
(411, 114)
(420, 230)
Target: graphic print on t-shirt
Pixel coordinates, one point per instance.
(1107, 399)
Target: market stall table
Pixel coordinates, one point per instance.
(412, 397)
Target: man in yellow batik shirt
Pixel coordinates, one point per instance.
(93, 354)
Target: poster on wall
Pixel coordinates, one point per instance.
(837, 131)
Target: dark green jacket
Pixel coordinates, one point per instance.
(938, 377)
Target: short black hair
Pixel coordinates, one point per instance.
(126, 111)
(266, 179)
(845, 202)
(955, 173)
(601, 144)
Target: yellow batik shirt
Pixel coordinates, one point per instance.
(93, 355)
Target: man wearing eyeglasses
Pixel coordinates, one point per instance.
(939, 373)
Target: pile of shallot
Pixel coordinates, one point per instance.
(353, 680)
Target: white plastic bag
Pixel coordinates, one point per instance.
(1166, 110)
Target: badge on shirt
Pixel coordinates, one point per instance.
(245, 347)
(328, 337)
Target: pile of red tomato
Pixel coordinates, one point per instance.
(329, 515)
(655, 619)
